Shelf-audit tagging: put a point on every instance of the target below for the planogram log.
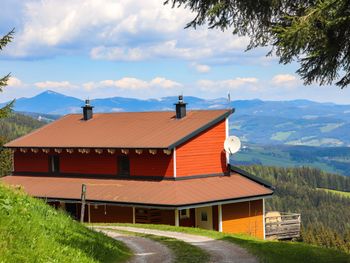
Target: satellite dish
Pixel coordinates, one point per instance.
(232, 144)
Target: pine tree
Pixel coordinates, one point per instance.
(3, 81)
(314, 33)
(5, 155)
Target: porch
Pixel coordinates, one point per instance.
(279, 225)
(240, 217)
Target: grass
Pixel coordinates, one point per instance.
(183, 252)
(266, 251)
(341, 193)
(31, 231)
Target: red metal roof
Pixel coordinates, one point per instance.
(155, 193)
(121, 130)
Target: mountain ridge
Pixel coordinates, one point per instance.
(295, 122)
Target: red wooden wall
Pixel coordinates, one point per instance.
(203, 154)
(144, 164)
(88, 163)
(31, 162)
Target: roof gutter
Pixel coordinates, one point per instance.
(252, 177)
(165, 206)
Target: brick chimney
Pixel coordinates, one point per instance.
(87, 111)
(180, 108)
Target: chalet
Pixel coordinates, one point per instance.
(141, 167)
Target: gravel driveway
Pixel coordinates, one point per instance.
(144, 249)
(220, 251)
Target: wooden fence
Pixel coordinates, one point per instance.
(279, 225)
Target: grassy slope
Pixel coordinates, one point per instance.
(341, 193)
(31, 231)
(266, 251)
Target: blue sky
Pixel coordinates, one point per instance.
(129, 48)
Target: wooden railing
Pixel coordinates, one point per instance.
(279, 225)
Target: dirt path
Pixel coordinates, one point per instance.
(144, 249)
(220, 251)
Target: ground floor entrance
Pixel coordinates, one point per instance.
(240, 217)
(204, 217)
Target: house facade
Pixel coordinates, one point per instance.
(141, 167)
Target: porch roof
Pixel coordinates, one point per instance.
(164, 193)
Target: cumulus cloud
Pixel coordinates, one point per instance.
(168, 49)
(14, 82)
(54, 84)
(127, 30)
(57, 25)
(129, 83)
(228, 84)
(201, 68)
(284, 80)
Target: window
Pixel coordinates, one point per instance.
(185, 213)
(54, 164)
(204, 216)
(123, 166)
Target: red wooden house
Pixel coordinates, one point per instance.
(142, 167)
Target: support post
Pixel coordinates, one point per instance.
(220, 217)
(133, 215)
(264, 227)
(89, 215)
(83, 200)
(177, 223)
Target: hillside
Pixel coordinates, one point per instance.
(329, 159)
(31, 231)
(17, 125)
(325, 216)
(11, 128)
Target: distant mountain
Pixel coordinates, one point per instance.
(297, 122)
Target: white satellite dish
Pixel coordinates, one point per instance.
(232, 144)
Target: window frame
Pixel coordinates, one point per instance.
(186, 215)
(54, 164)
(120, 168)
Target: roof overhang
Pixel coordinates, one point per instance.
(155, 206)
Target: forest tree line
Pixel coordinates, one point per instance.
(325, 216)
(12, 127)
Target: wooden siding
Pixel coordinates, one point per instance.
(144, 164)
(110, 214)
(88, 163)
(203, 154)
(245, 217)
(31, 162)
(154, 216)
(189, 222)
(147, 164)
(215, 214)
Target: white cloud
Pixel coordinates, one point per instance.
(58, 25)
(127, 30)
(228, 84)
(285, 80)
(164, 83)
(14, 82)
(168, 49)
(201, 68)
(54, 84)
(128, 83)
